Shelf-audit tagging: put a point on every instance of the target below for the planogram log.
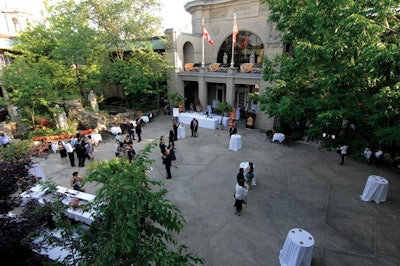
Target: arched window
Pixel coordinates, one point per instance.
(16, 24)
(188, 53)
(248, 49)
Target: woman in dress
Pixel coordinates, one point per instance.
(63, 152)
(250, 175)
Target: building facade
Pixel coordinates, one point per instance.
(222, 78)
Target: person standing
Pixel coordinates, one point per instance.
(167, 162)
(63, 152)
(161, 144)
(77, 182)
(240, 195)
(70, 151)
(250, 175)
(343, 152)
(175, 126)
(139, 129)
(233, 129)
(240, 175)
(81, 153)
(132, 128)
(192, 126)
(195, 127)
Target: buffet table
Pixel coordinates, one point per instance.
(375, 189)
(204, 121)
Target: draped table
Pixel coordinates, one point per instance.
(235, 143)
(205, 121)
(181, 132)
(375, 189)
(279, 137)
(297, 249)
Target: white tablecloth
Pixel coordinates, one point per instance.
(96, 137)
(244, 165)
(297, 249)
(75, 194)
(115, 130)
(145, 118)
(54, 147)
(181, 132)
(235, 143)
(204, 121)
(279, 137)
(375, 189)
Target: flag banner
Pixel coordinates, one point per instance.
(207, 36)
(235, 31)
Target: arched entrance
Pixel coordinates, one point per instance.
(248, 49)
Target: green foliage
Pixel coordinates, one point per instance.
(175, 99)
(344, 74)
(134, 224)
(224, 107)
(141, 75)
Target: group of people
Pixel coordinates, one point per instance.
(124, 147)
(244, 183)
(369, 155)
(167, 152)
(131, 127)
(82, 145)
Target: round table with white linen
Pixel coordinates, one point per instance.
(297, 249)
(279, 137)
(375, 189)
(235, 143)
(181, 132)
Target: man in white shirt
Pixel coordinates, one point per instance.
(343, 152)
(240, 195)
(70, 151)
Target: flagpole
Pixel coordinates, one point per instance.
(233, 42)
(202, 45)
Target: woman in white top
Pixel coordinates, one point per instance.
(343, 152)
(240, 195)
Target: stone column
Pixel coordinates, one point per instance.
(230, 86)
(202, 88)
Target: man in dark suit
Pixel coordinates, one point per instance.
(192, 126)
(139, 129)
(233, 129)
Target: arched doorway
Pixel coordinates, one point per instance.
(188, 53)
(248, 49)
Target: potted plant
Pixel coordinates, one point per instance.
(224, 108)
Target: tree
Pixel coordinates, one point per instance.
(134, 224)
(343, 76)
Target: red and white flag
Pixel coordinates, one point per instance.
(235, 30)
(206, 35)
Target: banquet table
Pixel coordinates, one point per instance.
(297, 249)
(181, 132)
(115, 130)
(375, 189)
(279, 137)
(204, 121)
(235, 143)
(244, 165)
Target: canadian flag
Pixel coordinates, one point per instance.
(206, 35)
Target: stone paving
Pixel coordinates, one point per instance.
(297, 186)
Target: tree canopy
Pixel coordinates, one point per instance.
(342, 74)
(82, 46)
